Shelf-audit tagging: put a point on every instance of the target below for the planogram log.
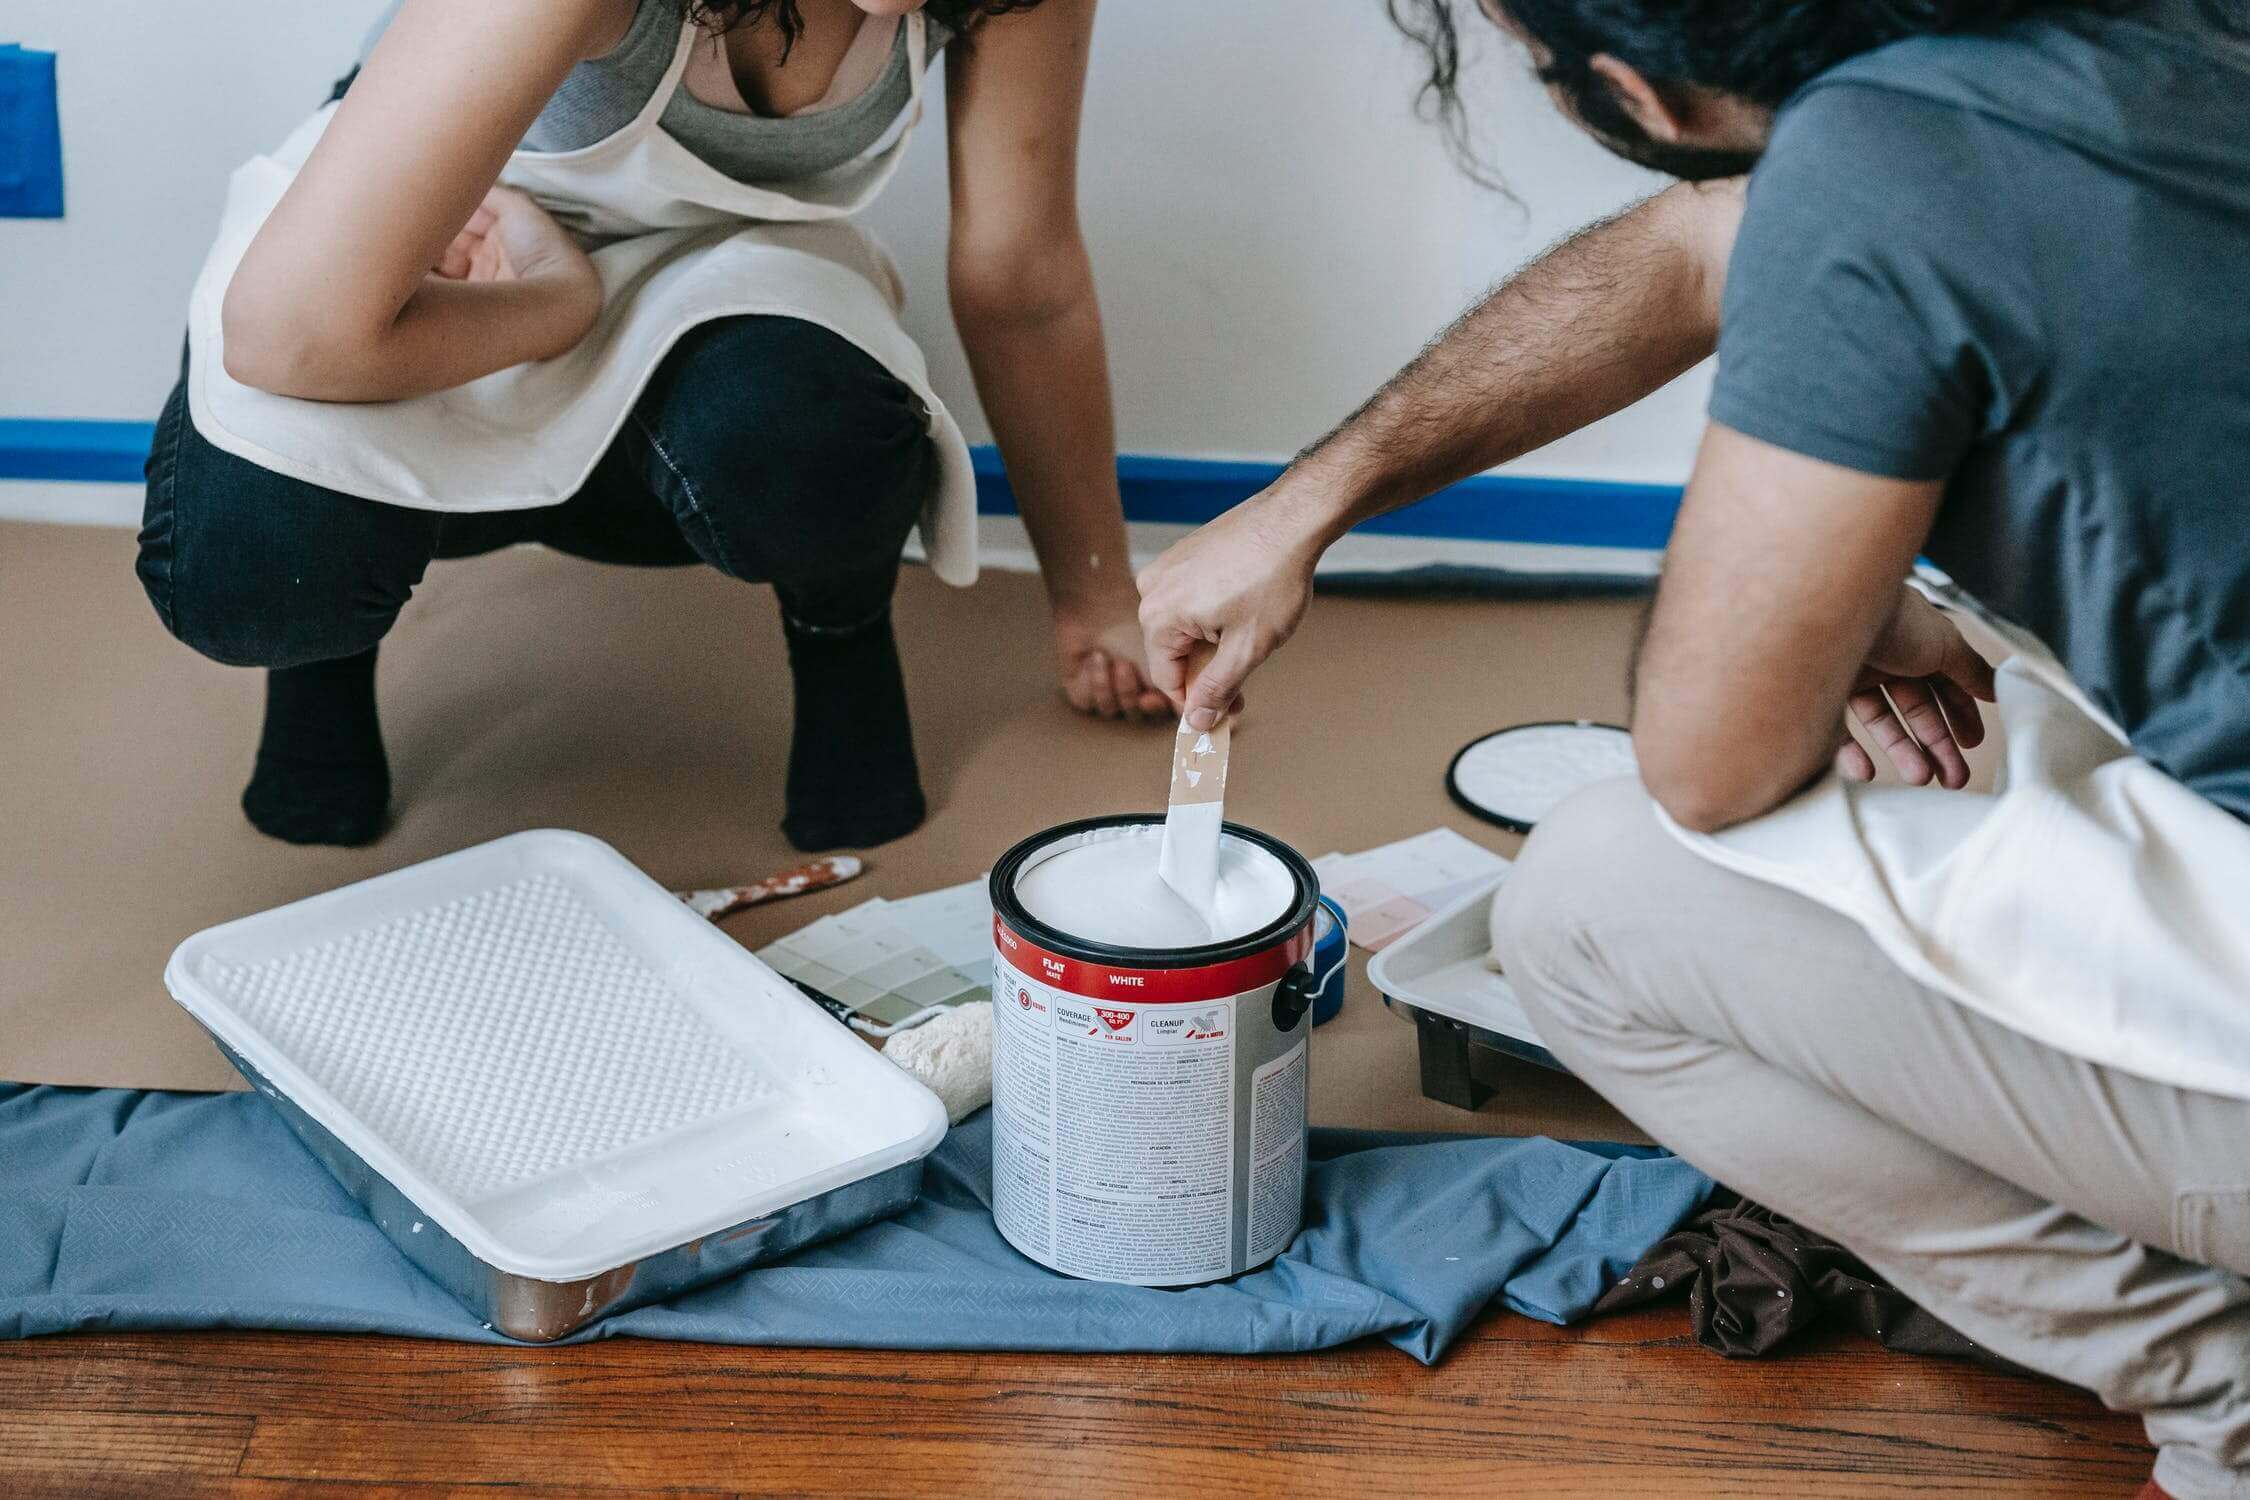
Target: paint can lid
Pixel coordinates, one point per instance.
(1515, 776)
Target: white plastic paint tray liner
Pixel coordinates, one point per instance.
(1440, 969)
(532, 1054)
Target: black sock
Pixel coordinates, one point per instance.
(852, 778)
(322, 777)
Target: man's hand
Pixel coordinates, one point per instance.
(1098, 657)
(1233, 592)
(1591, 326)
(1917, 698)
(1783, 601)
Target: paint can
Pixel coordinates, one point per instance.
(1149, 1098)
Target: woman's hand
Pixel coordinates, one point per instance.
(1234, 590)
(1917, 698)
(510, 286)
(1098, 657)
(511, 238)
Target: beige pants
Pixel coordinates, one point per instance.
(2078, 1220)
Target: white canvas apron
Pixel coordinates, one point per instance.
(2092, 902)
(676, 243)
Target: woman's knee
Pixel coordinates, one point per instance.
(787, 452)
(254, 569)
(274, 610)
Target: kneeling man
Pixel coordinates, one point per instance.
(1978, 280)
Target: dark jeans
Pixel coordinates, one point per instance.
(767, 447)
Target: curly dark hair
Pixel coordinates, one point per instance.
(958, 16)
(1760, 50)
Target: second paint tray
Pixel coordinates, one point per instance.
(559, 1091)
(1438, 973)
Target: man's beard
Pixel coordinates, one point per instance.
(1620, 134)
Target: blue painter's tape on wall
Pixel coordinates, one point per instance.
(30, 136)
(1488, 508)
(1184, 491)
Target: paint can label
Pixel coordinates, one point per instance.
(1277, 1153)
(1148, 1125)
(1132, 1179)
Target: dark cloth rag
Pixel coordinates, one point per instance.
(1755, 1280)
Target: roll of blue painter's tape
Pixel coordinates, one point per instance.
(1329, 947)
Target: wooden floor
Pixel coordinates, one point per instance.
(1621, 1407)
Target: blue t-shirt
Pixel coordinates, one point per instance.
(2019, 261)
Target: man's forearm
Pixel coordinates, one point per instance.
(1590, 327)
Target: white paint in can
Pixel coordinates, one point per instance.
(1107, 889)
(1149, 1080)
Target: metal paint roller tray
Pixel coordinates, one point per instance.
(1438, 976)
(559, 1091)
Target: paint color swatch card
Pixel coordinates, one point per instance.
(886, 964)
(1387, 891)
(955, 923)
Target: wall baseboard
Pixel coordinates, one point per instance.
(1516, 509)
(68, 503)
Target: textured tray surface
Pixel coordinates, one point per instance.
(495, 1038)
(543, 1050)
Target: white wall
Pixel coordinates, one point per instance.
(1273, 229)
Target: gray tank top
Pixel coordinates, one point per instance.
(602, 95)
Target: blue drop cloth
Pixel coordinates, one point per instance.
(124, 1209)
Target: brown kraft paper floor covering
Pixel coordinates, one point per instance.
(651, 709)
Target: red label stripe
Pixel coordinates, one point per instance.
(1095, 981)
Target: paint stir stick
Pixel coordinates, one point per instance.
(1189, 857)
(819, 875)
